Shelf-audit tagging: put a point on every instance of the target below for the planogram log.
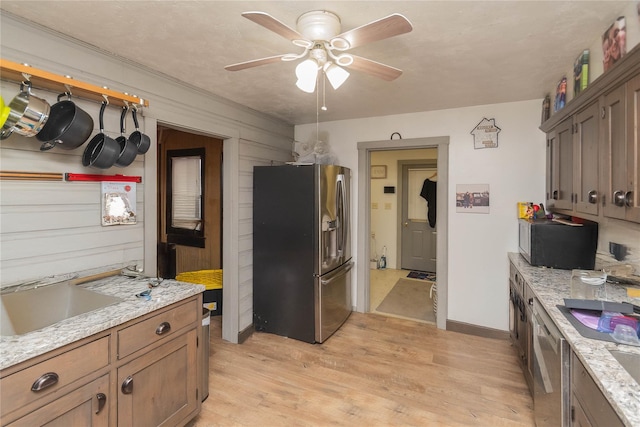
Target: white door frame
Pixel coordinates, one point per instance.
(364, 212)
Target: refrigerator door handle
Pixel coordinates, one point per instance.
(342, 212)
(328, 278)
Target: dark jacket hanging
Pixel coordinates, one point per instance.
(429, 194)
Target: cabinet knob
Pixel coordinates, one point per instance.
(45, 381)
(593, 197)
(102, 400)
(127, 385)
(628, 199)
(163, 328)
(619, 198)
(555, 195)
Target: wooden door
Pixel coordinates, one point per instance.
(615, 158)
(160, 387)
(563, 194)
(206, 253)
(586, 164)
(559, 174)
(632, 197)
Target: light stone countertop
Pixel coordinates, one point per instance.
(19, 348)
(550, 287)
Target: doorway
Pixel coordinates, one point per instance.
(404, 243)
(364, 242)
(189, 201)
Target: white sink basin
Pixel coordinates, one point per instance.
(29, 310)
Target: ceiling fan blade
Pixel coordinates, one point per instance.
(390, 26)
(374, 68)
(271, 23)
(253, 63)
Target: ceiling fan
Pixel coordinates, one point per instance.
(318, 33)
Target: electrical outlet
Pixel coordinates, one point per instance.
(373, 235)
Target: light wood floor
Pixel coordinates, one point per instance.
(380, 284)
(374, 371)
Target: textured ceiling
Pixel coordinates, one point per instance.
(460, 53)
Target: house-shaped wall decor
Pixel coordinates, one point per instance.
(485, 134)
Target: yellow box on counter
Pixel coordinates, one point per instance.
(523, 209)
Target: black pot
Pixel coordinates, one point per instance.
(142, 141)
(68, 126)
(102, 151)
(128, 148)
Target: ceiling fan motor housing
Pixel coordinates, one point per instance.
(319, 25)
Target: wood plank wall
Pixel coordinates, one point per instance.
(49, 227)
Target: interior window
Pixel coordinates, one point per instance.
(185, 204)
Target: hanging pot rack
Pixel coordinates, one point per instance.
(45, 80)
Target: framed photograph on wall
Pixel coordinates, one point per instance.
(378, 171)
(472, 198)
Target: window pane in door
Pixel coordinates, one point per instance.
(417, 205)
(186, 193)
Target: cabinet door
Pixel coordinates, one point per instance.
(632, 197)
(85, 406)
(160, 387)
(560, 166)
(586, 164)
(615, 156)
(578, 417)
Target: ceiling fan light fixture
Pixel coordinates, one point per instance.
(338, 43)
(318, 25)
(344, 60)
(307, 74)
(336, 75)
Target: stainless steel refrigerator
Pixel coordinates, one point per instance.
(301, 250)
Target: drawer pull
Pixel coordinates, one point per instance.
(102, 400)
(163, 328)
(127, 385)
(46, 380)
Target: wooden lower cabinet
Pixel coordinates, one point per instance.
(104, 380)
(159, 388)
(589, 407)
(86, 406)
(578, 416)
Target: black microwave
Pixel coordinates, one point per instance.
(564, 245)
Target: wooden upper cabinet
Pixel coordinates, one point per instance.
(593, 152)
(621, 174)
(615, 155)
(633, 150)
(560, 167)
(586, 167)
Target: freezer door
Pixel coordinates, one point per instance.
(334, 242)
(333, 301)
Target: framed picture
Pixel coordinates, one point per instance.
(614, 43)
(378, 171)
(472, 198)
